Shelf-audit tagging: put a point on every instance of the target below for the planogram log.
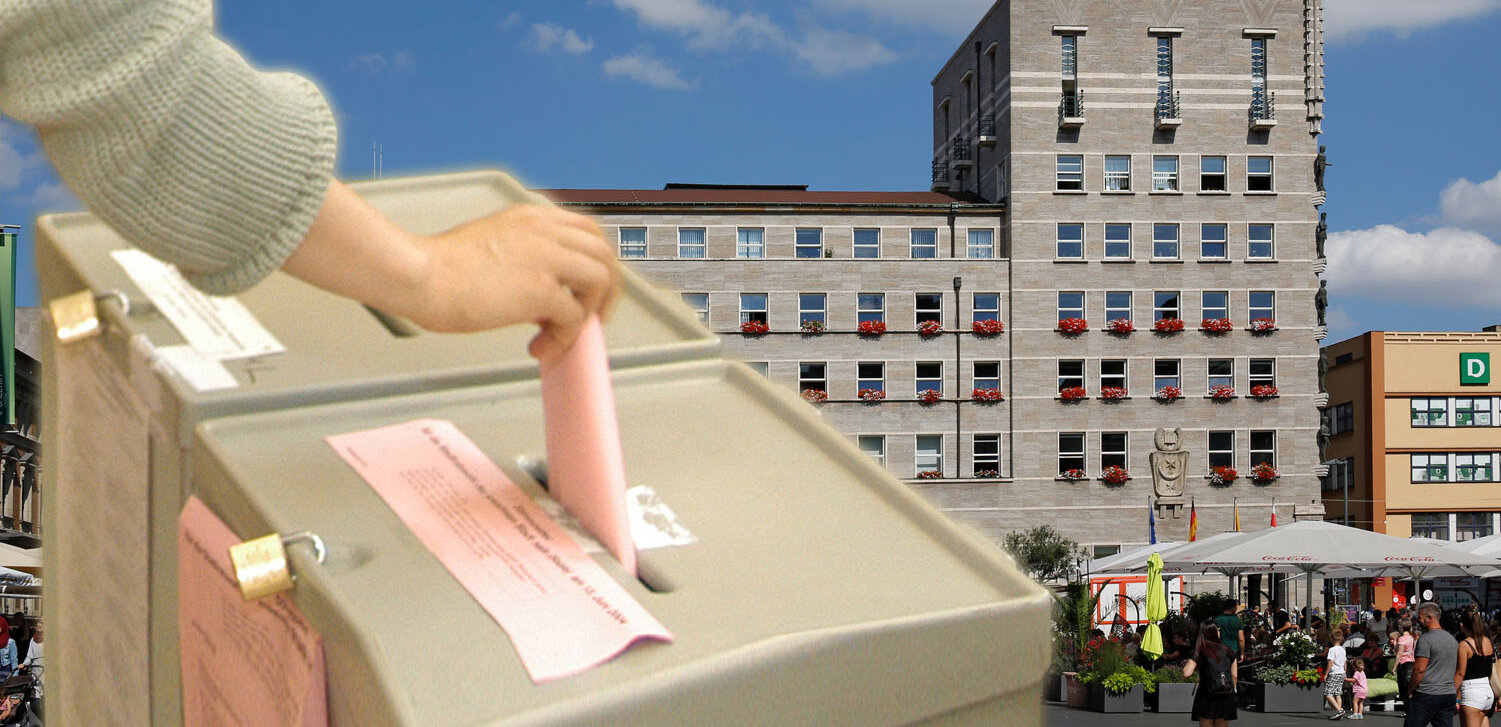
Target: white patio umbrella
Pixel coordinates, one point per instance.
(1126, 559)
(1187, 558)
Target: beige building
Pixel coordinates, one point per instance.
(1133, 161)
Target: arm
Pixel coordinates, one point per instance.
(1459, 664)
(1188, 668)
(1419, 666)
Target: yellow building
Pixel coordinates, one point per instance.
(1414, 440)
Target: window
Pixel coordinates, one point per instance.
(981, 244)
(812, 308)
(1342, 418)
(1166, 304)
(1117, 241)
(1430, 412)
(1071, 240)
(875, 446)
(1117, 173)
(1165, 373)
(1221, 372)
(1165, 242)
(870, 308)
(1070, 172)
(1263, 448)
(753, 308)
(871, 375)
(1471, 525)
(987, 453)
(813, 376)
(868, 246)
(1070, 304)
(1263, 372)
(809, 244)
(1341, 475)
(633, 242)
(924, 243)
(929, 453)
(761, 367)
(1070, 374)
(749, 243)
(1112, 449)
(1430, 525)
(691, 242)
(987, 375)
(1473, 468)
(929, 307)
(1259, 242)
(699, 302)
(1472, 412)
(987, 306)
(1258, 69)
(1117, 305)
(1221, 449)
(1430, 468)
(1070, 47)
(1164, 75)
(929, 377)
(1212, 241)
(1262, 305)
(1258, 174)
(1070, 451)
(1216, 304)
(1212, 174)
(1164, 174)
(1113, 374)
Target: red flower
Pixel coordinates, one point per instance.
(1222, 475)
(1168, 393)
(1072, 393)
(812, 326)
(987, 395)
(1168, 325)
(1264, 472)
(930, 475)
(1222, 392)
(871, 395)
(1113, 393)
(871, 328)
(754, 328)
(1115, 475)
(1216, 325)
(1073, 325)
(1263, 325)
(816, 396)
(1074, 474)
(986, 474)
(929, 396)
(928, 329)
(1120, 325)
(988, 328)
(1263, 391)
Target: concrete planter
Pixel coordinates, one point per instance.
(1287, 698)
(1171, 697)
(1102, 701)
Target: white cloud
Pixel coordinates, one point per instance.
(378, 63)
(50, 197)
(547, 35)
(830, 53)
(1447, 266)
(647, 70)
(955, 16)
(19, 154)
(1477, 206)
(508, 21)
(1340, 320)
(1353, 19)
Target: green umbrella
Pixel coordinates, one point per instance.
(1151, 641)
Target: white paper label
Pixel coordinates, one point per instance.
(217, 327)
(199, 371)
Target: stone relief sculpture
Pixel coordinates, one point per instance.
(1169, 464)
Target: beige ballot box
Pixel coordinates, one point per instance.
(121, 406)
(819, 590)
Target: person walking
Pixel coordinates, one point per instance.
(1435, 660)
(1406, 645)
(1334, 674)
(1472, 678)
(1212, 659)
(1232, 629)
(1358, 688)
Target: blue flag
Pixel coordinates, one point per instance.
(1151, 522)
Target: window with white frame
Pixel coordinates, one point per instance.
(929, 457)
(1167, 304)
(1472, 411)
(867, 243)
(633, 242)
(813, 375)
(1262, 305)
(929, 377)
(875, 446)
(753, 308)
(1263, 447)
(1117, 173)
(1212, 241)
(928, 307)
(1070, 304)
(1113, 449)
(1070, 172)
(1471, 525)
(924, 244)
(1164, 241)
(1471, 467)
(699, 302)
(1263, 372)
(987, 374)
(1430, 412)
(987, 306)
(1070, 374)
(986, 453)
(808, 243)
(1215, 303)
(691, 242)
(871, 375)
(1430, 468)
(1258, 174)
(1166, 372)
(1071, 240)
(981, 244)
(1117, 241)
(1164, 174)
(812, 308)
(750, 242)
(1259, 242)
(1221, 449)
(1212, 174)
(1113, 373)
(1221, 372)
(1070, 451)
(1433, 525)
(1117, 305)
(870, 307)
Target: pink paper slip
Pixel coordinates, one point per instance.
(563, 612)
(256, 663)
(585, 468)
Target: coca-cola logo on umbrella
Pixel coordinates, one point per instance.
(1414, 559)
(1300, 558)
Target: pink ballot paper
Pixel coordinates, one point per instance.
(256, 663)
(585, 469)
(563, 612)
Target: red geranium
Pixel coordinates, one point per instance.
(1115, 475)
(986, 474)
(987, 395)
(1113, 393)
(871, 328)
(1264, 472)
(754, 328)
(817, 396)
(928, 329)
(1222, 475)
(871, 395)
(811, 326)
(1073, 325)
(988, 328)
(1263, 325)
(1222, 392)
(929, 396)
(1072, 393)
(1168, 393)
(930, 475)
(1120, 325)
(1168, 325)
(1263, 391)
(1216, 325)
(1073, 474)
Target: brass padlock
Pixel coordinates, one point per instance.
(261, 566)
(76, 317)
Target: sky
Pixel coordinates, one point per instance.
(836, 94)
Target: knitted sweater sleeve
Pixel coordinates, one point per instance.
(167, 134)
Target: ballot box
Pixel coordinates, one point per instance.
(121, 408)
(819, 590)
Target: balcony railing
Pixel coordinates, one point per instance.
(1263, 111)
(1169, 109)
(960, 151)
(940, 174)
(1071, 110)
(987, 129)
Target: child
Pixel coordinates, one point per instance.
(1357, 688)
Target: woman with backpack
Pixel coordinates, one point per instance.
(1214, 699)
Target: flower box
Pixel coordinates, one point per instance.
(1222, 393)
(754, 328)
(871, 395)
(1113, 393)
(930, 475)
(871, 328)
(1072, 393)
(1172, 697)
(1103, 701)
(1216, 325)
(987, 474)
(1262, 325)
(1222, 475)
(987, 395)
(1263, 473)
(815, 396)
(1287, 698)
(1114, 475)
(930, 396)
(929, 329)
(1120, 325)
(1071, 326)
(988, 328)
(1168, 393)
(1168, 325)
(812, 327)
(1072, 475)
(1263, 391)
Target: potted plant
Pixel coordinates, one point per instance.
(1175, 692)
(1072, 393)
(811, 326)
(1122, 326)
(1222, 393)
(754, 328)
(1263, 325)
(1168, 393)
(930, 475)
(815, 396)
(1287, 684)
(988, 328)
(1115, 475)
(929, 329)
(987, 474)
(1263, 473)
(930, 396)
(1113, 393)
(1263, 391)
(1222, 475)
(871, 329)
(871, 396)
(1216, 325)
(1072, 326)
(1072, 475)
(986, 395)
(1115, 685)
(1168, 325)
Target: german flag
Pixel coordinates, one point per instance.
(1193, 521)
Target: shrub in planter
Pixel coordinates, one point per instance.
(930, 396)
(1072, 393)
(1168, 325)
(1121, 326)
(812, 327)
(1113, 393)
(1175, 692)
(816, 396)
(1263, 325)
(1263, 391)
(987, 474)
(1216, 325)
(1168, 393)
(1073, 325)
(1222, 475)
(1114, 475)
(754, 328)
(871, 328)
(988, 328)
(930, 475)
(986, 395)
(929, 329)
(1284, 688)
(1074, 475)
(871, 395)
(1222, 393)
(1263, 472)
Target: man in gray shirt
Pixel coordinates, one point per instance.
(1437, 655)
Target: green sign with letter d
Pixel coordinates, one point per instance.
(1474, 368)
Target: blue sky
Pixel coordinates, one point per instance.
(835, 94)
